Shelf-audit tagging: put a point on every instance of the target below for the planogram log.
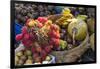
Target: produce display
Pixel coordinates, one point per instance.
(24, 12)
(54, 34)
(25, 57)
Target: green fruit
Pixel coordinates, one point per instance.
(48, 58)
(91, 24)
(19, 54)
(28, 52)
(80, 29)
(29, 61)
(63, 44)
(92, 41)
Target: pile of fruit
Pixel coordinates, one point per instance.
(26, 11)
(40, 36)
(25, 57)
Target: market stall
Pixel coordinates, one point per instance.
(47, 34)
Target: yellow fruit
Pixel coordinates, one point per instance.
(23, 57)
(21, 62)
(66, 11)
(49, 22)
(48, 58)
(30, 57)
(92, 41)
(80, 29)
(19, 54)
(31, 23)
(29, 61)
(28, 52)
(16, 60)
(65, 19)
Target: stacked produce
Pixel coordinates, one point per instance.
(72, 31)
(26, 57)
(26, 11)
(40, 36)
